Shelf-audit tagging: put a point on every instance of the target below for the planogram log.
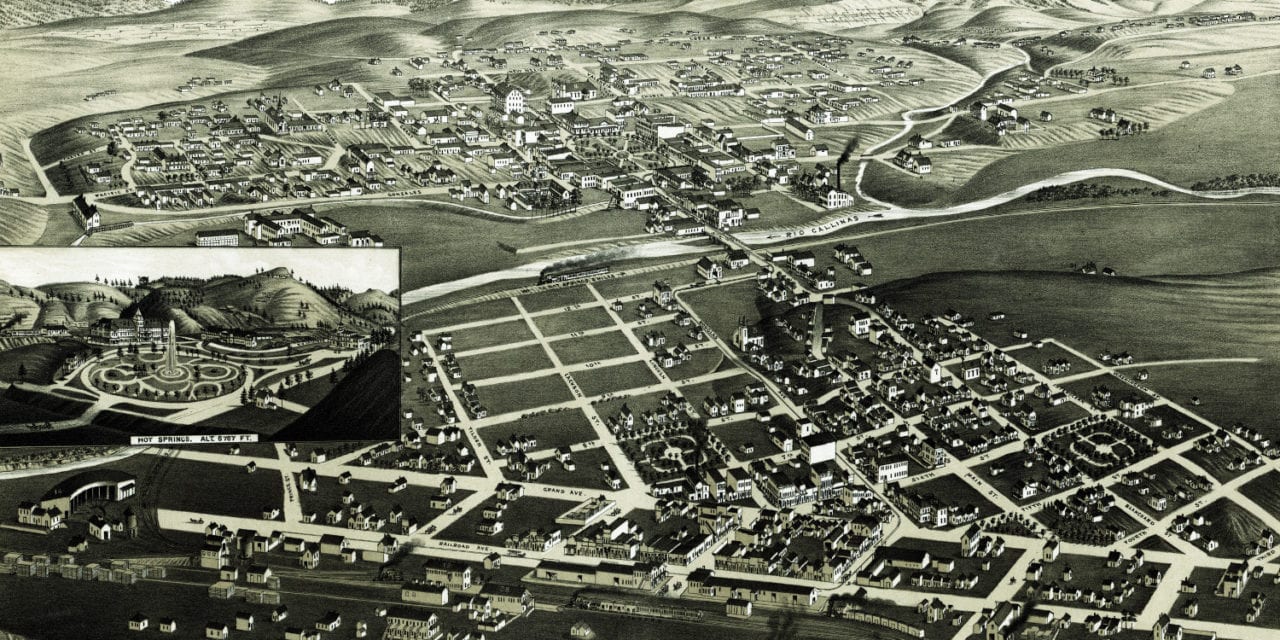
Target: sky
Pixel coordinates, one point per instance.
(355, 269)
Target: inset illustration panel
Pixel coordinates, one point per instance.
(190, 345)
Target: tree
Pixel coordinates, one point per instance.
(22, 371)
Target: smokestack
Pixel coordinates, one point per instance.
(845, 155)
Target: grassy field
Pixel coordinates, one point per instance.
(701, 362)
(745, 433)
(600, 346)
(1036, 359)
(987, 580)
(570, 321)
(723, 388)
(1265, 491)
(1228, 392)
(203, 489)
(556, 298)
(490, 335)
(553, 430)
(505, 362)
(462, 244)
(721, 307)
(1151, 320)
(1139, 239)
(586, 474)
(414, 501)
(182, 597)
(1014, 471)
(529, 512)
(1089, 572)
(19, 405)
(885, 182)
(951, 489)
(1171, 419)
(467, 313)
(1163, 478)
(1239, 148)
(22, 222)
(1232, 525)
(40, 362)
(1156, 543)
(363, 405)
(251, 419)
(599, 381)
(1231, 610)
(643, 283)
(1218, 464)
(524, 394)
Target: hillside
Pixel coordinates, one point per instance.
(362, 406)
(57, 312)
(597, 23)
(375, 305)
(1228, 315)
(272, 298)
(165, 12)
(342, 38)
(22, 13)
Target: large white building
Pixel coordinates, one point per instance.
(508, 99)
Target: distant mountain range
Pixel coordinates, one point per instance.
(264, 300)
(648, 17)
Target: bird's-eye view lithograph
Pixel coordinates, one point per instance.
(635, 320)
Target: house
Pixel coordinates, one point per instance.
(330, 621)
(86, 213)
(429, 594)
(1233, 581)
(513, 600)
(797, 126)
(1000, 624)
(709, 269)
(452, 573)
(216, 631)
(412, 624)
(1050, 551)
(333, 544)
(309, 556)
(138, 622)
(1164, 628)
(99, 528)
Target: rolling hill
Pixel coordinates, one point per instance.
(517, 27)
(272, 298)
(374, 305)
(28, 12)
(342, 38)
(362, 406)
